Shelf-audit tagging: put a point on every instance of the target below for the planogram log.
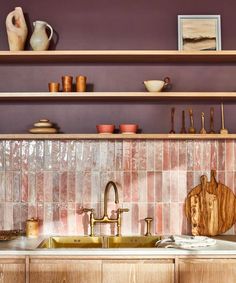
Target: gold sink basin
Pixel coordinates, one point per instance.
(79, 242)
(75, 242)
(132, 241)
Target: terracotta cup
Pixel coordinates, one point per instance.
(67, 83)
(53, 87)
(81, 83)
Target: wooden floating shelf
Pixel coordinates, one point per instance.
(116, 137)
(114, 95)
(117, 56)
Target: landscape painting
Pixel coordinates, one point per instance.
(198, 33)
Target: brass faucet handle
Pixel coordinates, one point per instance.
(121, 210)
(148, 220)
(88, 210)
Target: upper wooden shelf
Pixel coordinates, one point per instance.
(114, 95)
(116, 136)
(132, 56)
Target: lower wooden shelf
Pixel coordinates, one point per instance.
(116, 136)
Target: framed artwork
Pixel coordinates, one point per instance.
(196, 32)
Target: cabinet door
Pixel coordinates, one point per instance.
(207, 271)
(138, 271)
(12, 270)
(65, 271)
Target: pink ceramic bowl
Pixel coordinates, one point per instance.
(128, 128)
(105, 129)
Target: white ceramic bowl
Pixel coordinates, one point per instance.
(154, 85)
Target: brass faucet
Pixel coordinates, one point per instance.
(105, 218)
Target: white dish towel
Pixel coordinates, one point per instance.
(185, 242)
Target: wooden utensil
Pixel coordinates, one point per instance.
(172, 131)
(183, 129)
(203, 131)
(191, 129)
(223, 131)
(210, 207)
(212, 131)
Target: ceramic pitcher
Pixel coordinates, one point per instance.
(16, 29)
(39, 39)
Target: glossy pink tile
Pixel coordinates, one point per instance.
(190, 155)
(8, 216)
(135, 192)
(183, 155)
(174, 219)
(2, 212)
(206, 156)
(71, 186)
(182, 186)
(142, 164)
(55, 186)
(174, 186)
(2, 155)
(142, 186)
(158, 218)
(24, 188)
(63, 187)
(48, 182)
(150, 187)
(135, 219)
(150, 155)
(135, 155)
(158, 155)
(198, 147)
(127, 155)
(2, 187)
(39, 186)
(16, 187)
(229, 155)
(17, 216)
(9, 186)
(166, 186)
(127, 190)
(166, 155)
(166, 218)
(118, 155)
(174, 155)
(221, 155)
(214, 155)
(158, 186)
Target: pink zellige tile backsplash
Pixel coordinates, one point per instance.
(54, 180)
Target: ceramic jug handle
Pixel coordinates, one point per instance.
(167, 81)
(51, 32)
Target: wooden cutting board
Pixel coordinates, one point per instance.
(211, 207)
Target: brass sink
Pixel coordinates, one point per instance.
(78, 242)
(132, 241)
(71, 242)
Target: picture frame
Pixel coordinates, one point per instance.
(199, 32)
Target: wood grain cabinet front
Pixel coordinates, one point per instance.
(207, 270)
(12, 270)
(65, 271)
(138, 271)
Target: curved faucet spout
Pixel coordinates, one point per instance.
(107, 189)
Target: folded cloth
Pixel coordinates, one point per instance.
(185, 242)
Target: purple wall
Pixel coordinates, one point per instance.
(115, 25)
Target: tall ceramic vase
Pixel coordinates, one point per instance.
(39, 40)
(16, 29)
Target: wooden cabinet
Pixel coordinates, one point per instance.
(12, 270)
(65, 271)
(207, 271)
(138, 271)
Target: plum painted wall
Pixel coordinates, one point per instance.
(115, 25)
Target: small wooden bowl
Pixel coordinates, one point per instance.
(128, 128)
(105, 129)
